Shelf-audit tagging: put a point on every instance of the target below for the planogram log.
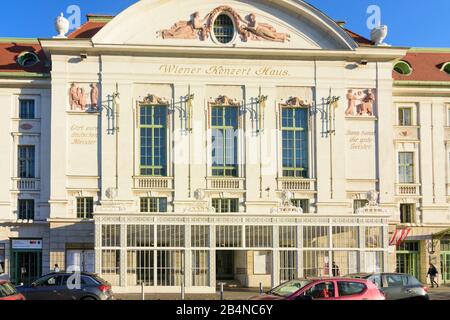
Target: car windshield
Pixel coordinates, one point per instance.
(7, 290)
(289, 288)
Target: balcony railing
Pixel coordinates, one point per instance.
(218, 183)
(153, 183)
(297, 184)
(408, 189)
(26, 184)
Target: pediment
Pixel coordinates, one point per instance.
(289, 24)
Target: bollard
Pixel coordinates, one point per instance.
(221, 291)
(182, 290)
(261, 288)
(142, 291)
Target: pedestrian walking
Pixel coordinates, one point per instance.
(432, 272)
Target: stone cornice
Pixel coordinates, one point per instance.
(75, 47)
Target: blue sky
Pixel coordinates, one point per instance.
(415, 23)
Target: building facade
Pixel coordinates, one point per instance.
(229, 141)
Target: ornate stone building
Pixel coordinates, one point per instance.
(239, 141)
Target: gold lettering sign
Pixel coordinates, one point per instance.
(220, 70)
(83, 135)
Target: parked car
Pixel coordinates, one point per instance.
(324, 289)
(9, 292)
(396, 286)
(67, 286)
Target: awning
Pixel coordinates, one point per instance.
(441, 234)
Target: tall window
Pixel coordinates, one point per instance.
(301, 203)
(153, 129)
(295, 142)
(26, 161)
(407, 213)
(224, 123)
(225, 205)
(26, 109)
(406, 167)
(85, 207)
(25, 209)
(405, 116)
(153, 205)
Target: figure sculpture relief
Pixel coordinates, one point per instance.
(94, 96)
(198, 28)
(367, 105)
(360, 102)
(264, 30)
(78, 97)
(186, 29)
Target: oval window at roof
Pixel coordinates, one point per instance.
(403, 68)
(27, 59)
(224, 28)
(446, 68)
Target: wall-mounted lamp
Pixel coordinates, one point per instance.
(83, 56)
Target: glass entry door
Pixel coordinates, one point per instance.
(25, 266)
(445, 266)
(407, 263)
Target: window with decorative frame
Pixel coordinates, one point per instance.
(153, 140)
(406, 167)
(224, 125)
(294, 122)
(25, 209)
(359, 203)
(26, 161)
(407, 213)
(85, 207)
(225, 205)
(26, 109)
(405, 116)
(302, 203)
(153, 205)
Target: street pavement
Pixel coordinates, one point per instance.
(441, 293)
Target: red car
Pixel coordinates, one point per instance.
(9, 292)
(324, 289)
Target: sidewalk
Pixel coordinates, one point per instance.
(235, 294)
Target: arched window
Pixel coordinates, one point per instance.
(224, 28)
(446, 67)
(27, 59)
(403, 68)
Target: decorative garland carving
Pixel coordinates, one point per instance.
(225, 101)
(297, 102)
(153, 99)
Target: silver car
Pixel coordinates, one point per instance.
(396, 286)
(67, 286)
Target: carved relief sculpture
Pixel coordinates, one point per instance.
(192, 29)
(297, 102)
(225, 101)
(264, 31)
(360, 102)
(198, 28)
(94, 96)
(153, 99)
(351, 99)
(78, 97)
